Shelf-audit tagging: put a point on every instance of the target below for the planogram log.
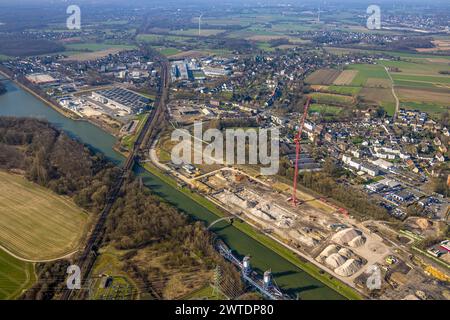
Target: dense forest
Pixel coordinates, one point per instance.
(18, 45)
(139, 221)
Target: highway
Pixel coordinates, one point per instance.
(153, 123)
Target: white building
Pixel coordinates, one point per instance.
(371, 170)
(351, 163)
(382, 164)
(216, 71)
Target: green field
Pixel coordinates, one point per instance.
(15, 276)
(324, 109)
(128, 140)
(265, 46)
(122, 286)
(194, 32)
(168, 51)
(420, 67)
(96, 46)
(414, 84)
(422, 79)
(163, 37)
(422, 106)
(417, 83)
(366, 71)
(405, 55)
(332, 99)
(35, 223)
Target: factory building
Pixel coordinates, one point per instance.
(119, 98)
(216, 72)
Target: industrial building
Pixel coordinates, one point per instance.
(216, 71)
(119, 98)
(179, 71)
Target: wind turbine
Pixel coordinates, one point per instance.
(318, 15)
(200, 24)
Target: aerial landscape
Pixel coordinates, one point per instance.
(233, 151)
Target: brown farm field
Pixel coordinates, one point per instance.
(378, 83)
(35, 223)
(345, 78)
(377, 95)
(424, 95)
(323, 76)
(265, 37)
(440, 45)
(88, 56)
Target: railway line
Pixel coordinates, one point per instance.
(87, 259)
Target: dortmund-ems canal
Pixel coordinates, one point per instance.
(291, 279)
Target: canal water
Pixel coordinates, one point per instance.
(292, 280)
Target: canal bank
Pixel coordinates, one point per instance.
(291, 278)
(65, 112)
(255, 233)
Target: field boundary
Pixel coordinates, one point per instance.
(36, 261)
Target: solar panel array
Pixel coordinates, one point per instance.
(127, 98)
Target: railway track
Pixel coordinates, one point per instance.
(153, 123)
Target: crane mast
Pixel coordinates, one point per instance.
(297, 139)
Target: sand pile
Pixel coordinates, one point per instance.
(357, 241)
(347, 235)
(306, 240)
(335, 260)
(330, 249)
(350, 267)
(423, 224)
(347, 253)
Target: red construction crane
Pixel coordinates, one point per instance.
(298, 139)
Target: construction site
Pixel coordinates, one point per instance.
(329, 237)
(314, 228)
